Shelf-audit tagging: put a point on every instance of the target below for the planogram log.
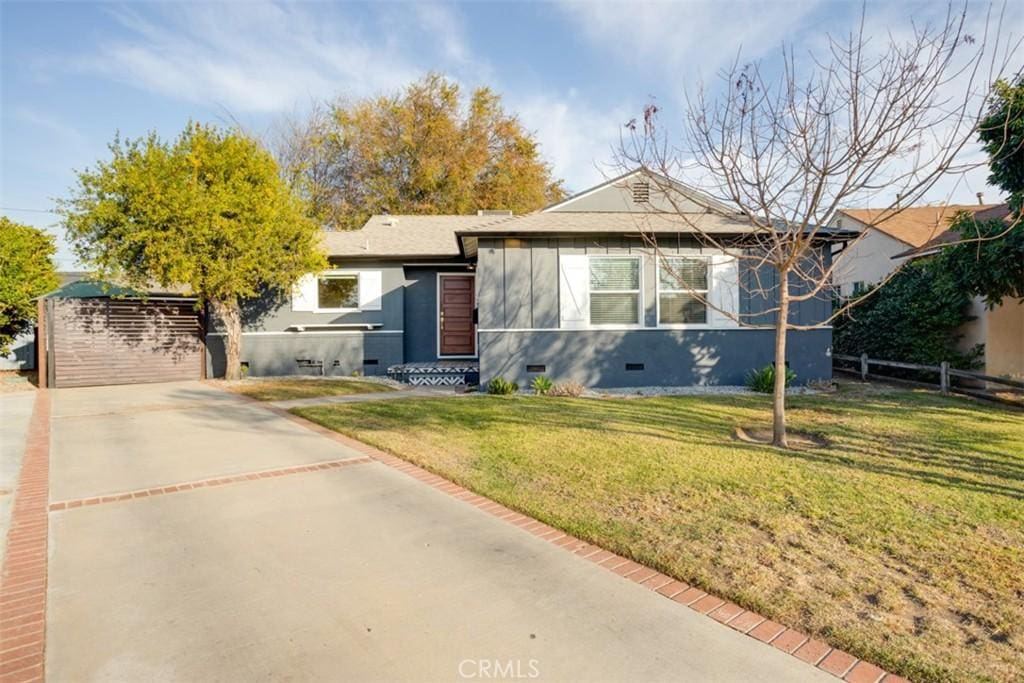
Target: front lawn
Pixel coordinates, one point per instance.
(902, 543)
(287, 388)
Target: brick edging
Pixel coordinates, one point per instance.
(23, 582)
(810, 650)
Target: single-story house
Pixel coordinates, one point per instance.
(917, 232)
(573, 292)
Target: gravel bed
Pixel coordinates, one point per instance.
(387, 381)
(631, 392)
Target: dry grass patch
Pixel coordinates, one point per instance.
(287, 388)
(902, 542)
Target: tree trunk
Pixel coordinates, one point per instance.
(230, 315)
(779, 397)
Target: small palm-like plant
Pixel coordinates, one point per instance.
(763, 380)
(541, 385)
(501, 386)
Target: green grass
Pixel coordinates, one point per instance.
(311, 387)
(902, 542)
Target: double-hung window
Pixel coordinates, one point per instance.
(683, 290)
(615, 290)
(337, 292)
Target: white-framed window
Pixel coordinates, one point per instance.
(337, 292)
(615, 290)
(684, 286)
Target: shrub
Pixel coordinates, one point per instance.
(763, 380)
(916, 317)
(541, 385)
(501, 386)
(571, 389)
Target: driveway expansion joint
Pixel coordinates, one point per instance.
(207, 483)
(729, 615)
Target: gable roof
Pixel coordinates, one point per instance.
(948, 236)
(445, 236)
(662, 186)
(412, 236)
(579, 222)
(914, 225)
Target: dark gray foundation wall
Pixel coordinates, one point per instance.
(342, 353)
(599, 358)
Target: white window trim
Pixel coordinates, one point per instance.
(437, 319)
(707, 294)
(327, 274)
(639, 292)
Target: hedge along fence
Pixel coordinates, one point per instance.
(950, 379)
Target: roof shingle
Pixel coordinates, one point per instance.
(914, 225)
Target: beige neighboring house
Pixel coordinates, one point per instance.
(916, 232)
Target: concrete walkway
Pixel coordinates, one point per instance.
(416, 392)
(15, 411)
(354, 572)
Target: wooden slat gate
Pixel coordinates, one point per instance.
(115, 341)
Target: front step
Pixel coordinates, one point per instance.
(437, 374)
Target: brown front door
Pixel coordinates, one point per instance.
(458, 333)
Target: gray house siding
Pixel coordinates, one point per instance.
(599, 358)
(517, 281)
(754, 304)
(518, 290)
(273, 311)
(22, 355)
(270, 348)
(408, 327)
(342, 353)
(618, 197)
(421, 311)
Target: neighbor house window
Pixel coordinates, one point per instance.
(614, 290)
(338, 292)
(683, 290)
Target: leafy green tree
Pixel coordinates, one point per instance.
(208, 211)
(915, 318)
(427, 150)
(988, 256)
(26, 271)
(989, 261)
(1002, 132)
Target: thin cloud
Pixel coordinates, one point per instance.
(576, 137)
(252, 57)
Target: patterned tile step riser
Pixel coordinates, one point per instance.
(435, 375)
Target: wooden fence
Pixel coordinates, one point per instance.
(944, 372)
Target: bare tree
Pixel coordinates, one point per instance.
(785, 153)
(310, 158)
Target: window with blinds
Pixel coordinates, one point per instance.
(615, 290)
(682, 290)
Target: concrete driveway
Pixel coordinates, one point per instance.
(356, 573)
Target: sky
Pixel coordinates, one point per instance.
(74, 74)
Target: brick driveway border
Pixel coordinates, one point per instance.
(23, 582)
(815, 652)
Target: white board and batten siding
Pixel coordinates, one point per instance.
(574, 291)
(304, 292)
(725, 291)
